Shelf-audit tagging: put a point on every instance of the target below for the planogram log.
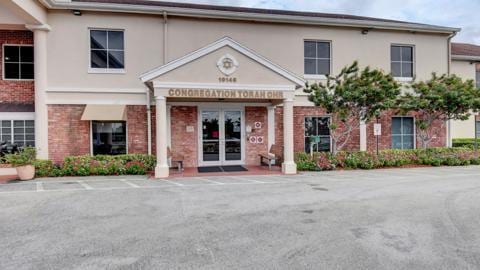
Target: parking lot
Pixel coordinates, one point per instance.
(421, 218)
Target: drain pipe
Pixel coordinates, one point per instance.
(449, 67)
(165, 36)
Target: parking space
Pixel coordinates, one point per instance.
(381, 219)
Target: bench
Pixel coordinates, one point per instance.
(273, 156)
(178, 160)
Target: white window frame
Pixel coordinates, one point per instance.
(106, 70)
(15, 116)
(477, 78)
(317, 76)
(3, 62)
(317, 116)
(401, 78)
(414, 132)
(91, 135)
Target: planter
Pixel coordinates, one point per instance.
(26, 172)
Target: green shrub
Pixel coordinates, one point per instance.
(135, 168)
(465, 142)
(388, 158)
(26, 156)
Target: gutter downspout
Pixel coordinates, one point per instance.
(165, 37)
(449, 67)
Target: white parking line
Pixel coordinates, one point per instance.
(211, 181)
(40, 186)
(173, 183)
(248, 180)
(85, 185)
(130, 183)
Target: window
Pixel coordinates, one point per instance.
(477, 129)
(317, 126)
(109, 138)
(107, 50)
(402, 61)
(17, 62)
(403, 133)
(19, 132)
(317, 57)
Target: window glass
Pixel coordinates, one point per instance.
(477, 78)
(478, 129)
(18, 62)
(403, 133)
(109, 138)
(401, 61)
(23, 132)
(317, 57)
(317, 126)
(107, 49)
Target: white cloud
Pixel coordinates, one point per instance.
(460, 13)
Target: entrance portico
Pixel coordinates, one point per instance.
(227, 84)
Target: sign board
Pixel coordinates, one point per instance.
(377, 129)
(215, 93)
(258, 125)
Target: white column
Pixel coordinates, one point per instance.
(288, 166)
(40, 73)
(271, 126)
(161, 170)
(363, 136)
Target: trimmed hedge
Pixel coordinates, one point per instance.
(387, 158)
(465, 142)
(132, 164)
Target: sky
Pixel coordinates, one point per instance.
(453, 13)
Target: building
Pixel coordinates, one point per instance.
(466, 64)
(208, 84)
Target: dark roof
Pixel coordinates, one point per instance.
(16, 107)
(244, 10)
(465, 49)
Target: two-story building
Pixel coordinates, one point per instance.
(213, 85)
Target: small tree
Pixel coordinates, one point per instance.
(437, 100)
(353, 96)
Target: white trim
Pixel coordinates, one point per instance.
(314, 77)
(234, 15)
(106, 70)
(224, 86)
(169, 125)
(90, 69)
(17, 116)
(226, 41)
(465, 57)
(93, 101)
(97, 90)
(3, 62)
(271, 126)
(403, 79)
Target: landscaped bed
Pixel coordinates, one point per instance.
(387, 159)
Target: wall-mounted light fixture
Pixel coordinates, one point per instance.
(76, 12)
(364, 31)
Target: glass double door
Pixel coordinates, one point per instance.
(221, 137)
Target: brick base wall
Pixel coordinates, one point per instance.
(15, 91)
(184, 144)
(67, 134)
(252, 150)
(137, 129)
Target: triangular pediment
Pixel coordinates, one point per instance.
(224, 61)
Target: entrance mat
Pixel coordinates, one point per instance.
(209, 169)
(234, 168)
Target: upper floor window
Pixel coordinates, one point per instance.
(107, 50)
(402, 61)
(317, 57)
(18, 62)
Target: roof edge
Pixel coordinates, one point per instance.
(466, 58)
(216, 14)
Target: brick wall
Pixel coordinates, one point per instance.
(137, 129)
(252, 115)
(299, 114)
(385, 140)
(67, 134)
(184, 144)
(12, 91)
